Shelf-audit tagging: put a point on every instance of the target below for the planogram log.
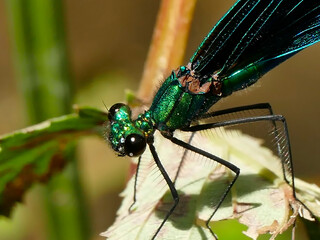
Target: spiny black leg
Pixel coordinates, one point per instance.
(227, 164)
(173, 190)
(224, 112)
(237, 172)
(273, 118)
(238, 109)
(135, 185)
(266, 106)
(182, 159)
(283, 120)
(282, 157)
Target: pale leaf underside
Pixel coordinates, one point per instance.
(260, 199)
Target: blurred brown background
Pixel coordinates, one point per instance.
(108, 43)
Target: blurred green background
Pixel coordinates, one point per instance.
(107, 43)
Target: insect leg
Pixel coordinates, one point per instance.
(135, 185)
(182, 160)
(273, 118)
(257, 106)
(285, 155)
(227, 164)
(172, 188)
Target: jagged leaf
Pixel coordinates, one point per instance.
(260, 199)
(35, 153)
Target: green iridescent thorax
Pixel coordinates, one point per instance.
(122, 125)
(181, 99)
(145, 123)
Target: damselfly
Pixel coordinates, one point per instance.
(253, 37)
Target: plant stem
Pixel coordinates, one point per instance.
(41, 62)
(168, 44)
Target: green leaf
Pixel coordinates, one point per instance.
(260, 199)
(35, 153)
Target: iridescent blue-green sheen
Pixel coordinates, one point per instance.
(121, 127)
(253, 37)
(174, 107)
(249, 75)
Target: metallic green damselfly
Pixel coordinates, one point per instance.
(253, 37)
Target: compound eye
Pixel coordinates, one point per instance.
(134, 145)
(114, 109)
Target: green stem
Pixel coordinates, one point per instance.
(40, 56)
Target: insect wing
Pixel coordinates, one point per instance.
(258, 31)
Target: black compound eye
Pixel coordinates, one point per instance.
(114, 109)
(134, 145)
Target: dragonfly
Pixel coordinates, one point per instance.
(252, 38)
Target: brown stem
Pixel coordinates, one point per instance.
(168, 44)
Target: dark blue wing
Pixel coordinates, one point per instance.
(258, 31)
